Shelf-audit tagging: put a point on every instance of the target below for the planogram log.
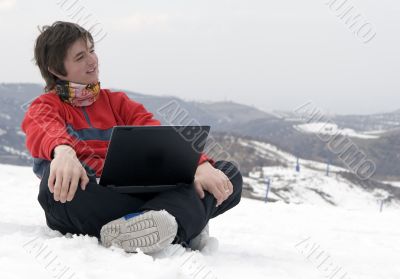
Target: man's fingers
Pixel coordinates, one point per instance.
(65, 187)
(57, 186)
(230, 186)
(218, 194)
(199, 190)
(223, 187)
(72, 188)
(50, 181)
(84, 179)
(225, 190)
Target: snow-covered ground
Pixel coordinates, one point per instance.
(393, 183)
(14, 151)
(256, 240)
(310, 185)
(314, 187)
(5, 116)
(20, 133)
(270, 151)
(333, 129)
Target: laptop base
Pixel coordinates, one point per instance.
(144, 189)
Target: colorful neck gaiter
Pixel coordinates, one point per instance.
(78, 95)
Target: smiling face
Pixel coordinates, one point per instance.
(81, 63)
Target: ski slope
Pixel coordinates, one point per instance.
(315, 188)
(256, 240)
(311, 185)
(333, 129)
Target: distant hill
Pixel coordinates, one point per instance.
(227, 118)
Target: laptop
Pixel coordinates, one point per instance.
(143, 159)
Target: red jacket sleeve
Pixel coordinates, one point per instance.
(134, 113)
(205, 158)
(45, 128)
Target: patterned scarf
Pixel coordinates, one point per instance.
(78, 95)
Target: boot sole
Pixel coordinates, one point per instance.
(150, 232)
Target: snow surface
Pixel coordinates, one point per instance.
(333, 129)
(393, 183)
(20, 133)
(14, 151)
(272, 152)
(2, 132)
(313, 187)
(256, 240)
(5, 116)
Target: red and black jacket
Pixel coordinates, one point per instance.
(49, 122)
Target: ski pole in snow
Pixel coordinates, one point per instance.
(381, 207)
(297, 165)
(268, 184)
(327, 166)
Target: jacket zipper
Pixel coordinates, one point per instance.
(86, 117)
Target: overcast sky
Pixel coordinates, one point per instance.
(275, 55)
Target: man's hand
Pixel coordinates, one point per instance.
(214, 181)
(65, 172)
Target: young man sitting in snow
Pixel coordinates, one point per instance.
(67, 132)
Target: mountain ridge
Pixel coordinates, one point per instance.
(228, 118)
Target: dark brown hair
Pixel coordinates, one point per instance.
(52, 45)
